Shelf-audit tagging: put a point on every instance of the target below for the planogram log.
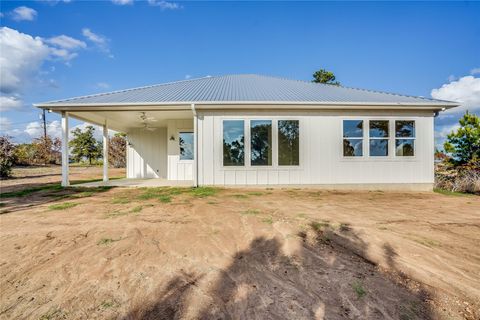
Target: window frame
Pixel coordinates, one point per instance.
(246, 146)
(179, 131)
(287, 166)
(250, 143)
(353, 158)
(388, 138)
(414, 138)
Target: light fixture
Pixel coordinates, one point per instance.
(172, 138)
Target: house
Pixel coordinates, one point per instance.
(250, 130)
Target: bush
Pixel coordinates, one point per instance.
(464, 178)
(7, 157)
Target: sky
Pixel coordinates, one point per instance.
(54, 49)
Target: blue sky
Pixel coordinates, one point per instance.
(57, 49)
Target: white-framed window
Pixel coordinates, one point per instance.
(352, 138)
(404, 138)
(288, 142)
(233, 143)
(379, 136)
(260, 142)
(185, 144)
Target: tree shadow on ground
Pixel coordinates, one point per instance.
(324, 279)
(39, 194)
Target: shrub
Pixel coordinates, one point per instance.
(7, 156)
(465, 178)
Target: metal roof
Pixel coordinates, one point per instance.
(242, 89)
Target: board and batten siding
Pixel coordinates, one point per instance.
(321, 151)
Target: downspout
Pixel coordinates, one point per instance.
(195, 144)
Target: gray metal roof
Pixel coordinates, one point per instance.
(244, 88)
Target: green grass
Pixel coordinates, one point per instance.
(251, 212)
(317, 226)
(358, 289)
(202, 192)
(268, 220)
(120, 200)
(240, 196)
(452, 193)
(107, 241)
(255, 193)
(165, 198)
(28, 191)
(63, 206)
(136, 209)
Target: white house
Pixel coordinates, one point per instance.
(251, 130)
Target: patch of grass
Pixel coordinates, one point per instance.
(28, 191)
(120, 200)
(63, 206)
(409, 311)
(107, 304)
(268, 220)
(54, 313)
(358, 289)
(164, 198)
(240, 196)
(202, 192)
(451, 193)
(212, 202)
(136, 209)
(302, 215)
(107, 241)
(427, 242)
(116, 213)
(317, 226)
(255, 193)
(251, 212)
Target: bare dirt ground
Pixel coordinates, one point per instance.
(173, 253)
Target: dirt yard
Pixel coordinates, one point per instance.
(207, 253)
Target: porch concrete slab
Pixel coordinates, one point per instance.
(137, 183)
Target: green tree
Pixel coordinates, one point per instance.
(464, 144)
(84, 146)
(7, 156)
(324, 76)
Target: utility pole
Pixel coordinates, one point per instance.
(44, 126)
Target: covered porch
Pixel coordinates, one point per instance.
(161, 144)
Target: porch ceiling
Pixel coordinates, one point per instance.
(126, 120)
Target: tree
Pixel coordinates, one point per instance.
(117, 148)
(7, 156)
(324, 76)
(84, 146)
(464, 144)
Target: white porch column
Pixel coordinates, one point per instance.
(195, 149)
(105, 152)
(65, 159)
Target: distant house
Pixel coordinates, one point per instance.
(251, 130)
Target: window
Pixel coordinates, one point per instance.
(261, 142)
(404, 138)
(378, 138)
(185, 141)
(233, 143)
(352, 138)
(288, 142)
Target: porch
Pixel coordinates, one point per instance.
(161, 145)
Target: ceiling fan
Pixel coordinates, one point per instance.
(145, 121)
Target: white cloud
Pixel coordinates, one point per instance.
(5, 123)
(35, 129)
(475, 71)
(164, 5)
(122, 2)
(465, 90)
(66, 42)
(24, 14)
(99, 40)
(102, 85)
(54, 2)
(8, 103)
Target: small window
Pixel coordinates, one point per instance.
(233, 143)
(352, 138)
(261, 142)
(288, 142)
(185, 141)
(404, 138)
(379, 134)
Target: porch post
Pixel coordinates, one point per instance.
(195, 148)
(105, 152)
(65, 160)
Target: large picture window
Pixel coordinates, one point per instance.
(261, 142)
(185, 141)
(288, 142)
(404, 138)
(353, 138)
(378, 134)
(233, 143)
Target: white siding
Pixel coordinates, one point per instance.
(321, 158)
(147, 153)
(178, 169)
